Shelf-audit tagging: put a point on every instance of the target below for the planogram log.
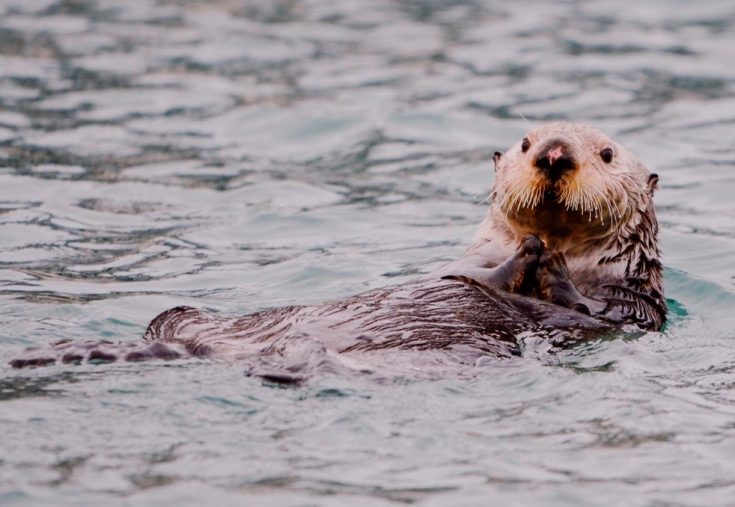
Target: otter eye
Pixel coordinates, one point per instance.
(606, 155)
(525, 144)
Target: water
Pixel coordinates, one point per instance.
(239, 156)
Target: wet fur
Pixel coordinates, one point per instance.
(594, 266)
(430, 316)
(602, 221)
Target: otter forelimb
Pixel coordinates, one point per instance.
(555, 286)
(517, 274)
(614, 303)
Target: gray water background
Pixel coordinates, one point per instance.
(243, 155)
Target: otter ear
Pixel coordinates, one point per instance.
(496, 158)
(652, 183)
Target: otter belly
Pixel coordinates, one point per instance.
(419, 325)
(457, 321)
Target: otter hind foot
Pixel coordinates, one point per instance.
(97, 351)
(517, 274)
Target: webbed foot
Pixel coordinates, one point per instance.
(97, 351)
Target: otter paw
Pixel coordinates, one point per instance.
(555, 285)
(520, 272)
(552, 268)
(516, 274)
(531, 245)
(553, 280)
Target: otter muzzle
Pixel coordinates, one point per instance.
(554, 160)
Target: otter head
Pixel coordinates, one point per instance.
(570, 185)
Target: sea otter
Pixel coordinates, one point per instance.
(568, 250)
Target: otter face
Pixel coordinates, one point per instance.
(568, 182)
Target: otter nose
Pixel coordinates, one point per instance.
(555, 161)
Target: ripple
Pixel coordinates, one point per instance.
(239, 157)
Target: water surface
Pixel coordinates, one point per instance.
(239, 156)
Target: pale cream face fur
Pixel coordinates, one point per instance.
(590, 202)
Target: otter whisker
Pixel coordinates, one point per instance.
(486, 200)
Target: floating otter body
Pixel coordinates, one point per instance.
(567, 251)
